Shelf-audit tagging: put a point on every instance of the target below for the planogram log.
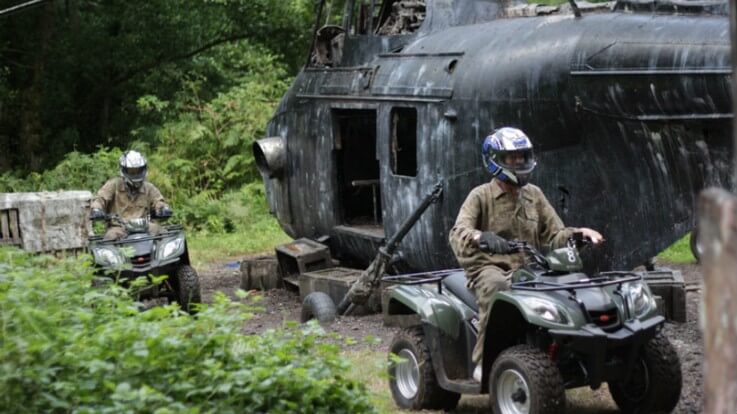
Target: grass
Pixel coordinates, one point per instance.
(370, 368)
(679, 252)
(260, 236)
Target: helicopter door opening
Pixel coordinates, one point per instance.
(357, 167)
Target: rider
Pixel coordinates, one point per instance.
(129, 196)
(507, 208)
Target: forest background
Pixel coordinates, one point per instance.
(191, 84)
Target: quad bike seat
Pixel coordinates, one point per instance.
(456, 283)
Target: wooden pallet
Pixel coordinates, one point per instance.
(10, 227)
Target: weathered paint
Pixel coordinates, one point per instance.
(630, 114)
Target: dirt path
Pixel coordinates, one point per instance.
(280, 306)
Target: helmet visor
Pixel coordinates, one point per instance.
(135, 174)
(520, 162)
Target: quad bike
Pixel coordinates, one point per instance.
(556, 328)
(141, 254)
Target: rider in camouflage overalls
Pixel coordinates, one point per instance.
(507, 208)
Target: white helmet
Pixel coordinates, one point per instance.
(133, 168)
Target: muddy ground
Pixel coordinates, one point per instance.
(282, 305)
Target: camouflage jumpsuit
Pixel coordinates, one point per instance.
(114, 197)
(529, 217)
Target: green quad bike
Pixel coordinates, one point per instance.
(140, 254)
(556, 328)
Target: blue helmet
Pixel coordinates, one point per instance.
(509, 141)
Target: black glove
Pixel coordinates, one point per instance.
(490, 242)
(97, 214)
(164, 212)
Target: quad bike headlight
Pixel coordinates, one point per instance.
(546, 309)
(105, 256)
(639, 301)
(170, 248)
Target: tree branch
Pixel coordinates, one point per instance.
(125, 77)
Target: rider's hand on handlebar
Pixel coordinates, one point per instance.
(490, 242)
(593, 235)
(164, 212)
(97, 214)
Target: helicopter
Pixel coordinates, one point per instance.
(627, 104)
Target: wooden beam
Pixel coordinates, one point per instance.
(14, 226)
(718, 236)
(4, 227)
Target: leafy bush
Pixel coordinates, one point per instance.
(76, 172)
(65, 347)
(235, 210)
(206, 147)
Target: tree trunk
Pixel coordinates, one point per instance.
(31, 130)
(718, 235)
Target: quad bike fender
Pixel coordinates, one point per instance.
(531, 308)
(427, 306)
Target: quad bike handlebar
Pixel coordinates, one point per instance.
(577, 241)
(98, 215)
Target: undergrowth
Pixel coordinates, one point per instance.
(68, 347)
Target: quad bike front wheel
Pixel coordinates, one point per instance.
(187, 288)
(412, 377)
(524, 380)
(654, 384)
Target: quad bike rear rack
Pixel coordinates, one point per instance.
(421, 278)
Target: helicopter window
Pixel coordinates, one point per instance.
(404, 142)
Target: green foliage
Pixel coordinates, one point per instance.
(76, 172)
(206, 148)
(67, 347)
(74, 72)
(678, 252)
(236, 208)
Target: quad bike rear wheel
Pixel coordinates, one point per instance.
(654, 385)
(412, 379)
(524, 380)
(187, 288)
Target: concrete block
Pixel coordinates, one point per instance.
(260, 273)
(301, 256)
(335, 282)
(669, 286)
(45, 222)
